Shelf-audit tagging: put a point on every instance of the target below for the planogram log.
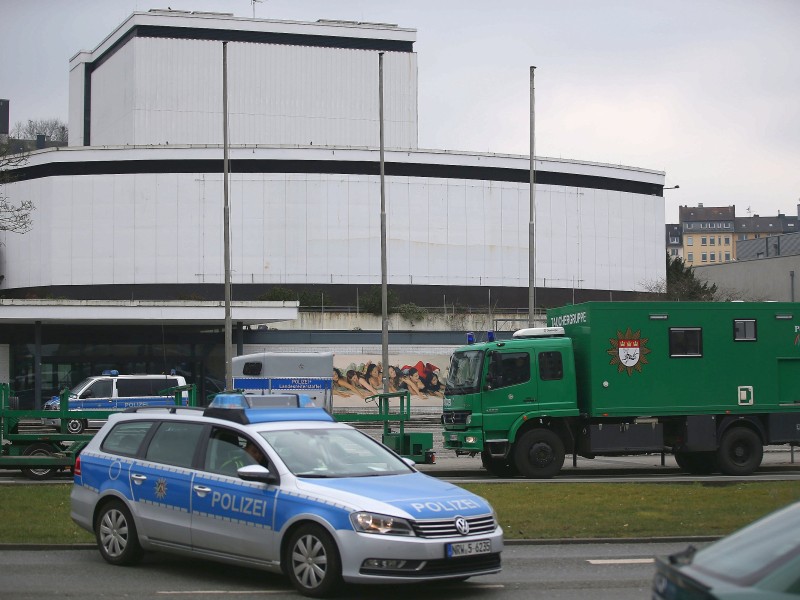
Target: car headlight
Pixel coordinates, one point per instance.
(366, 522)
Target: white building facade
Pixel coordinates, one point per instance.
(134, 207)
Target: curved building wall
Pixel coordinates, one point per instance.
(153, 216)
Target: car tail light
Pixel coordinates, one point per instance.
(76, 470)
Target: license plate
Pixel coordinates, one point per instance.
(468, 548)
(453, 437)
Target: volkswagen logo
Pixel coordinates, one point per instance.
(462, 525)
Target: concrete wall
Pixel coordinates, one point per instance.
(758, 280)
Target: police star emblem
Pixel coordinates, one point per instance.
(628, 351)
(161, 488)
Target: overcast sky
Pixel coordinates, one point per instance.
(707, 91)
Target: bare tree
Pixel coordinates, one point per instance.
(54, 129)
(13, 217)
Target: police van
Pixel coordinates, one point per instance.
(286, 490)
(112, 391)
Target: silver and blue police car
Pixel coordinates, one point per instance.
(284, 490)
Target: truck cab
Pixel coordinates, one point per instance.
(499, 390)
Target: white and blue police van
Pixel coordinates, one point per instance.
(114, 392)
(286, 490)
(309, 374)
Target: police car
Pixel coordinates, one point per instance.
(114, 392)
(281, 489)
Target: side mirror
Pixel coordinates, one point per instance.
(410, 462)
(257, 473)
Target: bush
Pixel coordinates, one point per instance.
(371, 301)
(279, 294)
(411, 312)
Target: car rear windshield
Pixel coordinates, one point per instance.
(746, 556)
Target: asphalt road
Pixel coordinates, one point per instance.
(553, 571)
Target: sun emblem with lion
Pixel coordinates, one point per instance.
(628, 351)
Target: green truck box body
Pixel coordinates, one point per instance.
(684, 358)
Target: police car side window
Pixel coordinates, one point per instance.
(228, 451)
(99, 389)
(126, 438)
(174, 443)
(133, 388)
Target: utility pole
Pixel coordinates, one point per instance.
(384, 279)
(532, 221)
(226, 223)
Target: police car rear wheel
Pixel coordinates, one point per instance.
(116, 535)
(313, 563)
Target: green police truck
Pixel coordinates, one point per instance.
(712, 383)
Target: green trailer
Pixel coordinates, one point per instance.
(40, 454)
(418, 446)
(712, 383)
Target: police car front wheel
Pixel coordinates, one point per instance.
(116, 534)
(313, 563)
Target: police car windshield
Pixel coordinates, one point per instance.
(76, 389)
(333, 453)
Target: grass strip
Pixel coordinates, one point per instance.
(622, 510)
(39, 514)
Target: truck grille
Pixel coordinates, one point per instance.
(455, 417)
(436, 528)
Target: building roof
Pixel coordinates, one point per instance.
(757, 224)
(710, 213)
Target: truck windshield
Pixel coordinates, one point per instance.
(465, 372)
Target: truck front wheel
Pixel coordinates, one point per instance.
(539, 454)
(740, 451)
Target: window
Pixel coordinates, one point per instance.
(126, 438)
(515, 368)
(689, 240)
(703, 225)
(551, 366)
(674, 240)
(690, 256)
(673, 252)
(727, 257)
(712, 240)
(251, 368)
(137, 388)
(686, 342)
(99, 389)
(174, 443)
(703, 241)
(744, 330)
(228, 451)
(727, 240)
(689, 225)
(713, 257)
(741, 237)
(704, 257)
(727, 226)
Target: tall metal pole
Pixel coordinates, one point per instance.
(532, 222)
(226, 224)
(384, 284)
